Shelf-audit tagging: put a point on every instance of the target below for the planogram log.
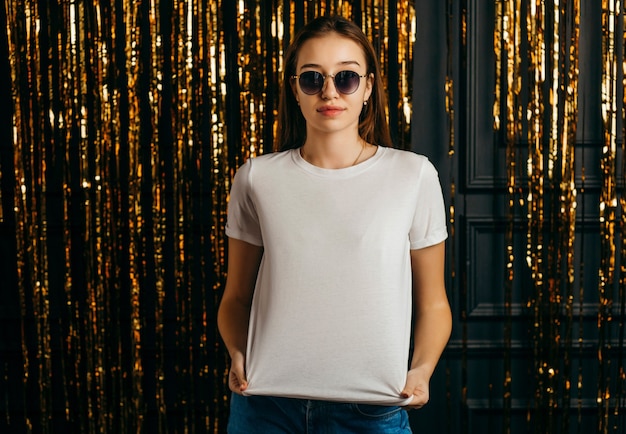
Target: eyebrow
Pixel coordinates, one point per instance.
(345, 62)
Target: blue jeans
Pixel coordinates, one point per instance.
(272, 415)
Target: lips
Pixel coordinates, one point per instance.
(330, 110)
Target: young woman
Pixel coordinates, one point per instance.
(336, 247)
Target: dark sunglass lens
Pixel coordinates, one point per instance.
(311, 82)
(347, 82)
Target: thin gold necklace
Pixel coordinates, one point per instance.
(363, 143)
(360, 153)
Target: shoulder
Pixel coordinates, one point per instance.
(264, 163)
(410, 161)
(273, 157)
(271, 160)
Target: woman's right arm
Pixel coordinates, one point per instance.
(234, 312)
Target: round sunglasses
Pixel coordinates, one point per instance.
(312, 82)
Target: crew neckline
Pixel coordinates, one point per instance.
(342, 172)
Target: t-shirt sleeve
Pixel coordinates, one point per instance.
(242, 220)
(429, 221)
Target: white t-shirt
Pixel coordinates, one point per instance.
(331, 313)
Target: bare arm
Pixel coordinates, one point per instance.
(234, 311)
(433, 320)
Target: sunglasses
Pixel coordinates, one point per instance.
(312, 82)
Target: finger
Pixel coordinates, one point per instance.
(237, 377)
(409, 391)
(237, 381)
(420, 398)
(416, 403)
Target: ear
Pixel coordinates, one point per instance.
(369, 86)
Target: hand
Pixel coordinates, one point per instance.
(237, 376)
(417, 387)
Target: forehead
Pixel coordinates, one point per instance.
(329, 51)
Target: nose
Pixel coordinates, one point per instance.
(328, 89)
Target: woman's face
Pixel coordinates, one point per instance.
(329, 110)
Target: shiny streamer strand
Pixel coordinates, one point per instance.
(620, 402)
(568, 194)
(609, 225)
(507, 108)
(508, 59)
(535, 254)
(498, 53)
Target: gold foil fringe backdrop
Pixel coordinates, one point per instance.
(539, 105)
(129, 120)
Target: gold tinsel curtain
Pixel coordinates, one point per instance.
(537, 46)
(126, 122)
(122, 124)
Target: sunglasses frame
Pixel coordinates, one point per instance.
(325, 76)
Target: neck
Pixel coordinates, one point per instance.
(335, 155)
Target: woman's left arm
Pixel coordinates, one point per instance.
(433, 321)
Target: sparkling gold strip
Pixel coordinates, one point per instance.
(507, 48)
(620, 402)
(536, 22)
(570, 14)
(611, 11)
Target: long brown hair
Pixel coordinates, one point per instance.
(373, 126)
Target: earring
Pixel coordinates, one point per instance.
(365, 102)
